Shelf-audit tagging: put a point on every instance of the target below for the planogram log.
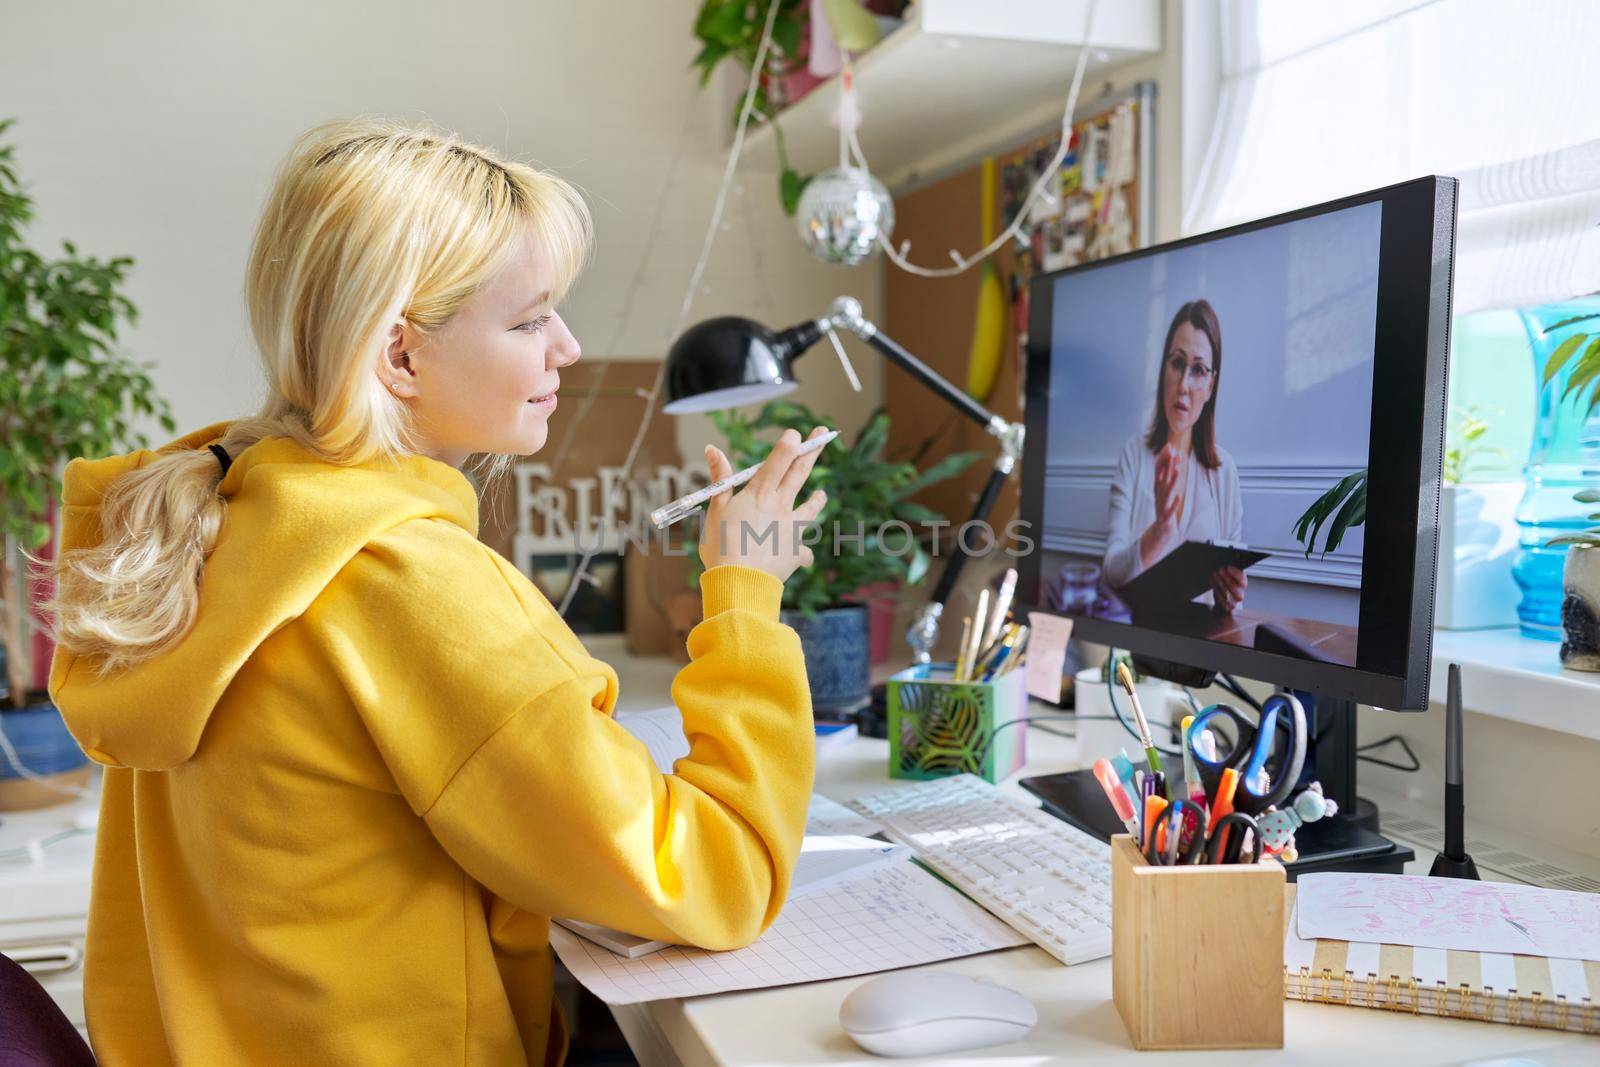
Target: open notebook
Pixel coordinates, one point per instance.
(1523, 990)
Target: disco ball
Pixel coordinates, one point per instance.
(842, 212)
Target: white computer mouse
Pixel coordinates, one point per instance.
(925, 1013)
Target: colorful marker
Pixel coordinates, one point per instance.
(1107, 776)
(1223, 804)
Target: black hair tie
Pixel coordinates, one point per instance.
(222, 457)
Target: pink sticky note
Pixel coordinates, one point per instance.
(1047, 654)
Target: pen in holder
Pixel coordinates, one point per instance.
(1197, 952)
(939, 726)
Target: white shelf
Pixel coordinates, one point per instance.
(1513, 677)
(961, 77)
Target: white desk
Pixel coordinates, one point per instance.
(1077, 1021)
(44, 902)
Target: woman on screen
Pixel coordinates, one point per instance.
(1173, 482)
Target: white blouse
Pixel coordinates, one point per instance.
(1212, 510)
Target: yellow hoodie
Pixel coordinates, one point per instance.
(338, 815)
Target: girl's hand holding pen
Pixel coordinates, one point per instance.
(759, 525)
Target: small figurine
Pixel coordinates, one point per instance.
(1278, 827)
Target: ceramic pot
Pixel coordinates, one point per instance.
(42, 745)
(1580, 609)
(836, 646)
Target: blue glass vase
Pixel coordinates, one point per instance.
(1564, 457)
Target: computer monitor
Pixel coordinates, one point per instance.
(1192, 406)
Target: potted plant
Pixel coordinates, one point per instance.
(732, 29)
(870, 506)
(1477, 530)
(65, 391)
(1576, 361)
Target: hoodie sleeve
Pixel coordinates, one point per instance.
(502, 739)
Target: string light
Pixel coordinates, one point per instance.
(897, 256)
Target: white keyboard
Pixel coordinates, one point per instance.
(1048, 880)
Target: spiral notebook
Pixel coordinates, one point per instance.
(1493, 987)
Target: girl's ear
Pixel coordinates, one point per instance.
(397, 349)
(395, 370)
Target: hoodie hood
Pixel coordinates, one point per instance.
(293, 522)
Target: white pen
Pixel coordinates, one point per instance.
(685, 506)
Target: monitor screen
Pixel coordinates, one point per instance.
(1215, 429)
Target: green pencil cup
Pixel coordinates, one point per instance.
(939, 727)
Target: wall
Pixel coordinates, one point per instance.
(153, 130)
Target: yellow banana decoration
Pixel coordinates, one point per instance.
(989, 330)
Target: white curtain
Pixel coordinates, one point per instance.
(1322, 100)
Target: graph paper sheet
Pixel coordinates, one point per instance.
(895, 915)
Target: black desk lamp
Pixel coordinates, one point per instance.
(730, 361)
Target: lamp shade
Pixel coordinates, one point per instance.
(726, 362)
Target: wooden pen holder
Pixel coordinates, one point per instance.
(1197, 952)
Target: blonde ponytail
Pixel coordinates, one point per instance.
(368, 222)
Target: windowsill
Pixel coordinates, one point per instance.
(1512, 677)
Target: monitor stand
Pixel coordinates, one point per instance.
(1349, 841)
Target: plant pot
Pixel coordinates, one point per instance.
(836, 646)
(880, 600)
(1580, 609)
(53, 760)
(1477, 545)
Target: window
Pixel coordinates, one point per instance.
(1319, 101)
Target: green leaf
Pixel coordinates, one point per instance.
(946, 468)
(722, 21)
(786, 35)
(1559, 357)
(869, 443)
(1584, 371)
(790, 186)
(1306, 529)
(1587, 496)
(917, 514)
(710, 55)
(1353, 513)
(1554, 326)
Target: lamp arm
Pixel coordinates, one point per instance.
(846, 314)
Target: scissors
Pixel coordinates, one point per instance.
(1266, 774)
(1174, 853)
(1219, 832)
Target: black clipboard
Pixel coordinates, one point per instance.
(1181, 575)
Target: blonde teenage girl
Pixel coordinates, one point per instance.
(354, 761)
